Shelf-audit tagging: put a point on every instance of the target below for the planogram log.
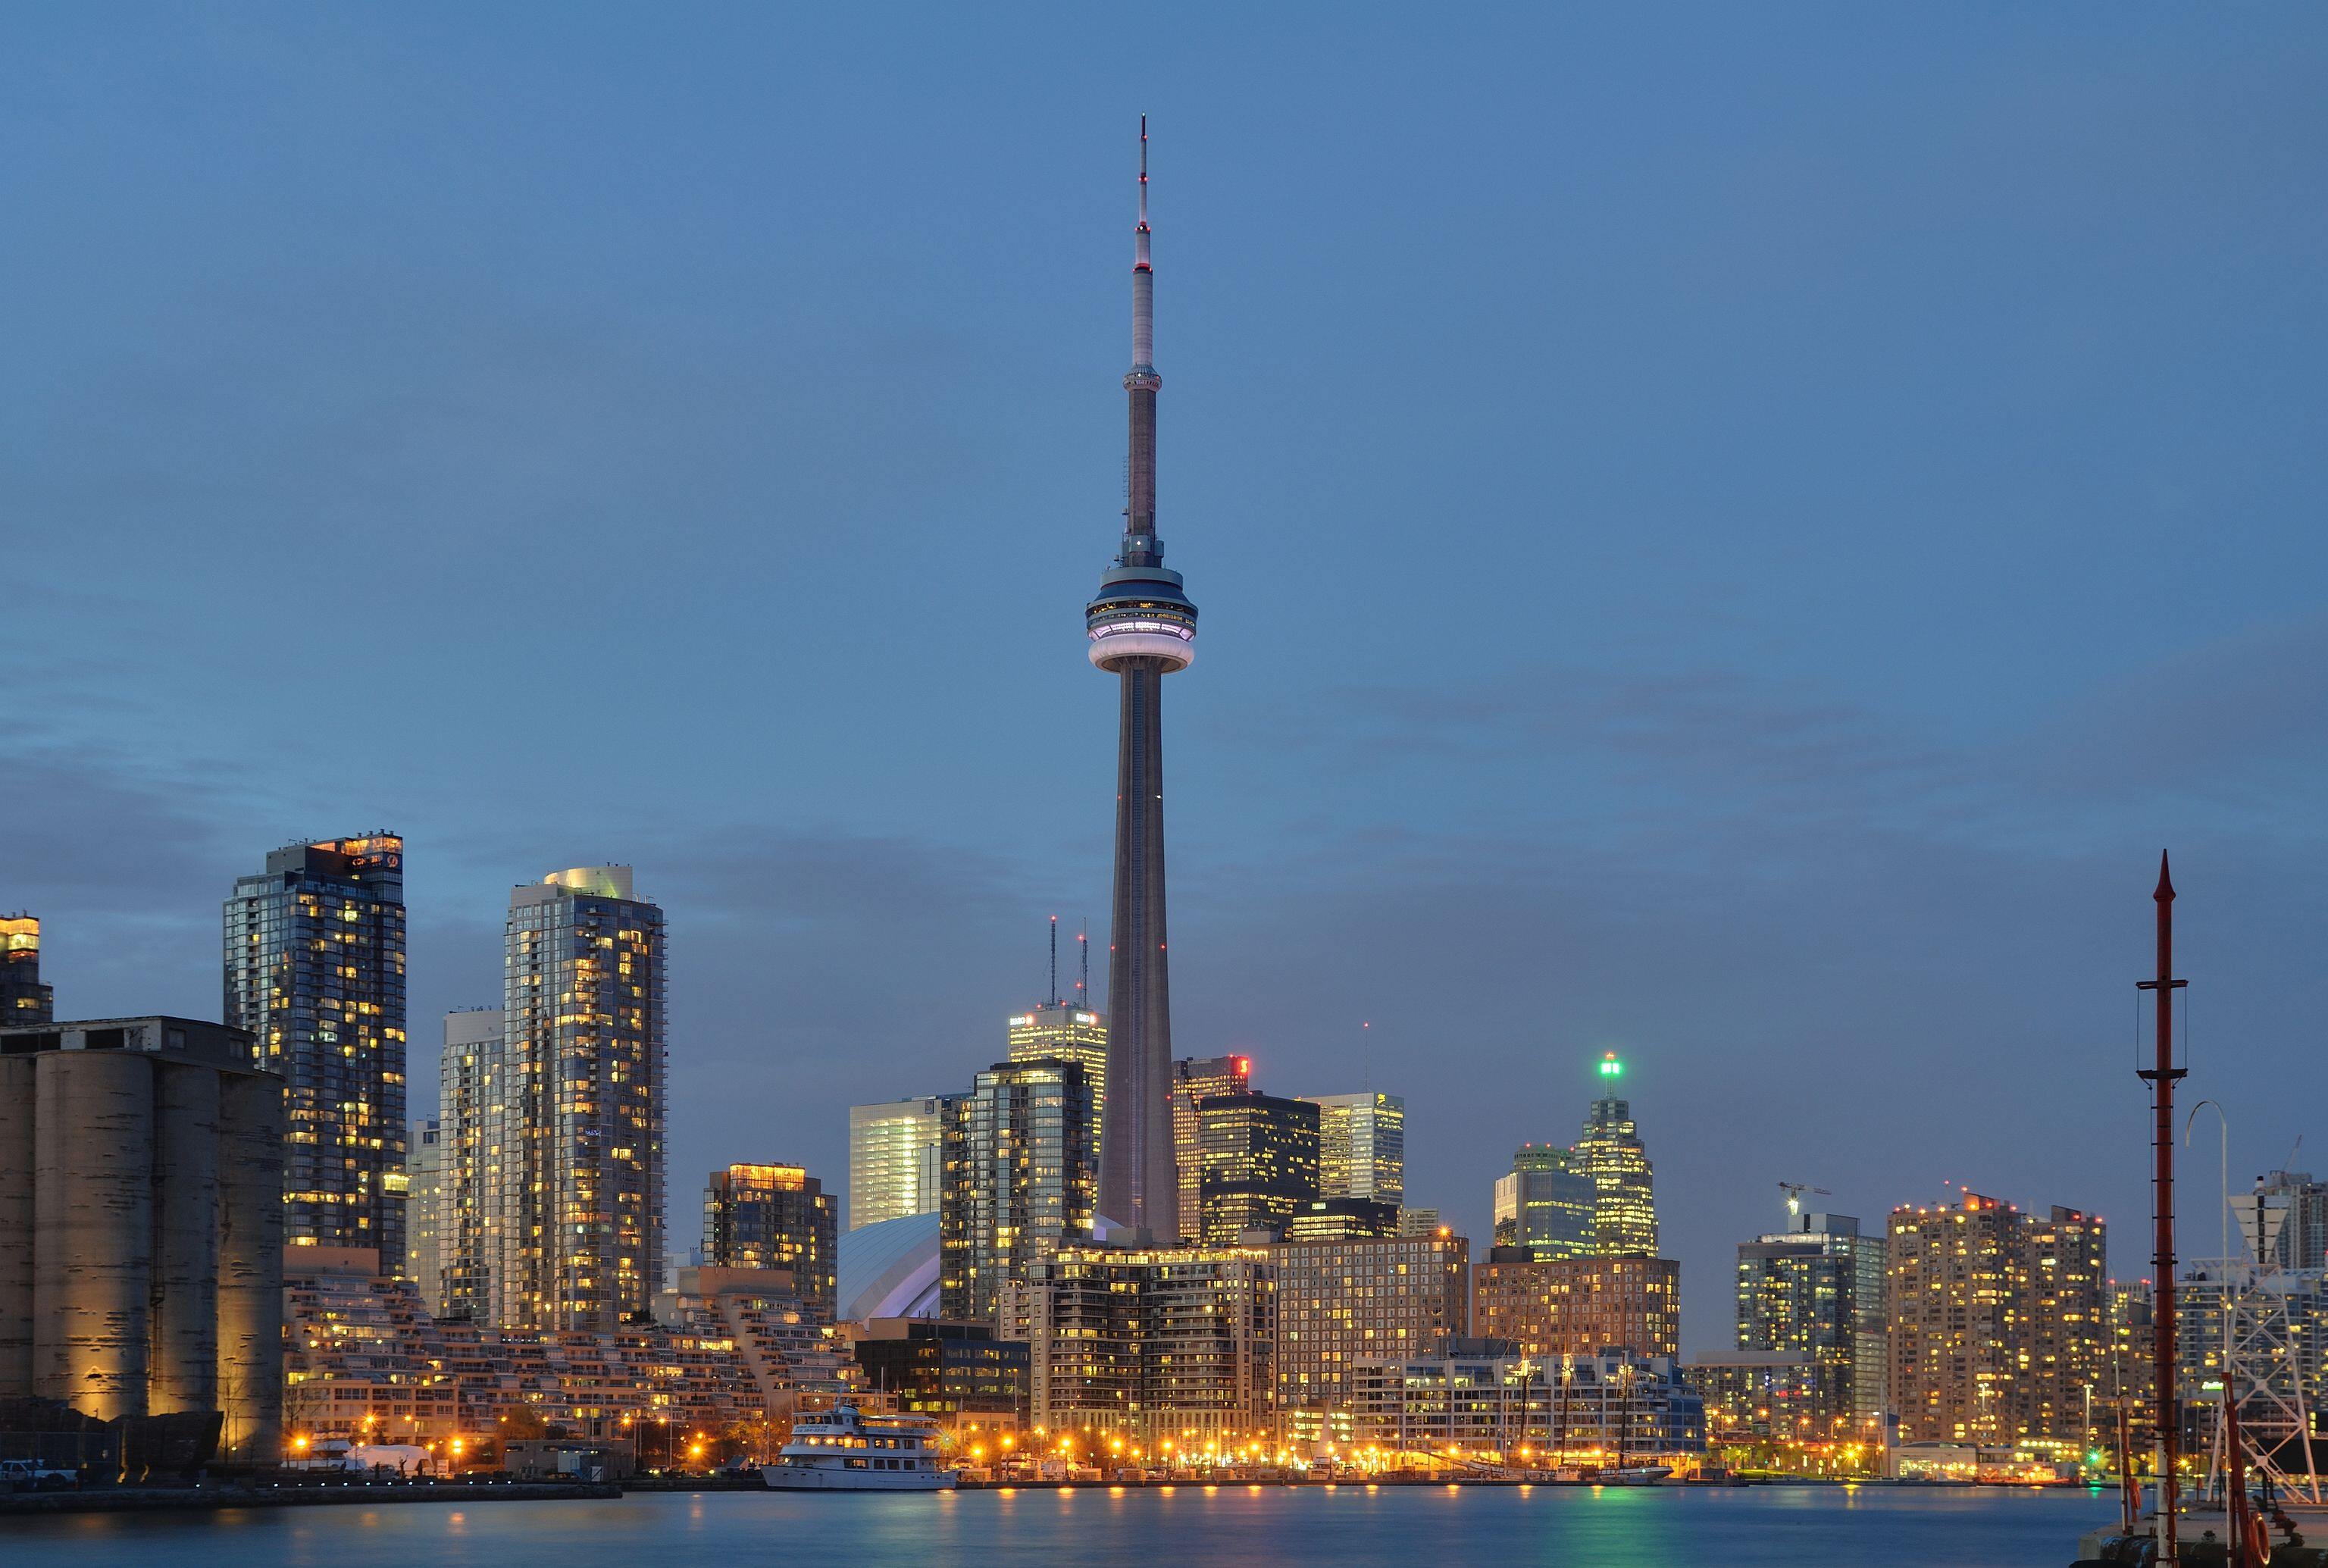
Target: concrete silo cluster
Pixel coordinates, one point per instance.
(141, 1223)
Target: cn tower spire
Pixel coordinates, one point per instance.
(1141, 628)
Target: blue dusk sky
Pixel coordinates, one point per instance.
(1731, 535)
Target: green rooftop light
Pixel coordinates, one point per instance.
(1610, 1068)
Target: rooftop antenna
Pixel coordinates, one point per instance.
(1366, 1057)
(1054, 992)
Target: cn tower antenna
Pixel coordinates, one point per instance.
(1051, 996)
(1083, 973)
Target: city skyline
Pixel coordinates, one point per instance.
(1838, 458)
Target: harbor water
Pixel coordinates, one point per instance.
(1185, 1526)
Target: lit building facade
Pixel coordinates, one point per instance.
(23, 999)
(578, 1225)
(1999, 1322)
(1196, 1078)
(468, 1089)
(1817, 1290)
(1753, 1394)
(2293, 1221)
(773, 1216)
(1062, 1031)
(1340, 1300)
(315, 973)
(897, 1159)
(1546, 1205)
(425, 1211)
(1603, 1409)
(1578, 1306)
(1167, 1347)
(1332, 1218)
(1260, 1154)
(1019, 1182)
(1610, 1152)
(1362, 1146)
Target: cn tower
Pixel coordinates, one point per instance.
(1142, 628)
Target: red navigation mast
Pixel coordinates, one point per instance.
(2162, 1081)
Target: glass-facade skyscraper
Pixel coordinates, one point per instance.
(1817, 1290)
(468, 1089)
(577, 1213)
(1065, 1032)
(1260, 1154)
(1609, 1151)
(1361, 1146)
(896, 1160)
(315, 970)
(1196, 1078)
(1020, 1179)
(773, 1216)
(1546, 1205)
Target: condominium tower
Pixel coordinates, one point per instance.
(315, 973)
(469, 1078)
(1019, 1180)
(580, 1206)
(773, 1216)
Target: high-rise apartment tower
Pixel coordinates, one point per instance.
(23, 1000)
(315, 972)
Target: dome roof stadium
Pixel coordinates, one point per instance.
(890, 1270)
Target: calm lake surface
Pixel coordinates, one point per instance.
(1091, 1528)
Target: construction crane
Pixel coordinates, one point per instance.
(1795, 1190)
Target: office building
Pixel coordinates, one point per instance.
(897, 1159)
(315, 973)
(1166, 1348)
(1196, 1078)
(1547, 1205)
(1417, 1222)
(1610, 1152)
(1999, 1322)
(468, 1090)
(141, 1223)
(1019, 1180)
(955, 1373)
(1344, 1297)
(1260, 1155)
(23, 999)
(1578, 1306)
(1330, 1218)
(1067, 1032)
(1141, 627)
(1480, 1396)
(773, 1216)
(1362, 1147)
(1817, 1290)
(425, 1211)
(576, 1221)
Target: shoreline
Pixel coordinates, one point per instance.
(157, 1499)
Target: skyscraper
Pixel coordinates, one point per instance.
(1260, 1159)
(896, 1162)
(1546, 1205)
(579, 1210)
(1818, 1291)
(773, 1216)
(315, 972)
(423, 1211)
(1142, 627)
(1625, 1205)
(468, 1088)
(23, 1000)
(1019, 1180)
(1361, 1146)
(1196, 1078)
(1065, 1031)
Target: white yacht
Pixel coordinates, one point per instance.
(846, 1450)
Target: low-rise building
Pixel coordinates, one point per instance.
(1758, 1394)
(1482, 1396)
(952, 1372)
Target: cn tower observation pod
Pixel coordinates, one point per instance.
(1140, 611)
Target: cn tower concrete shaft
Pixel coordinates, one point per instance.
(1142, 628)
